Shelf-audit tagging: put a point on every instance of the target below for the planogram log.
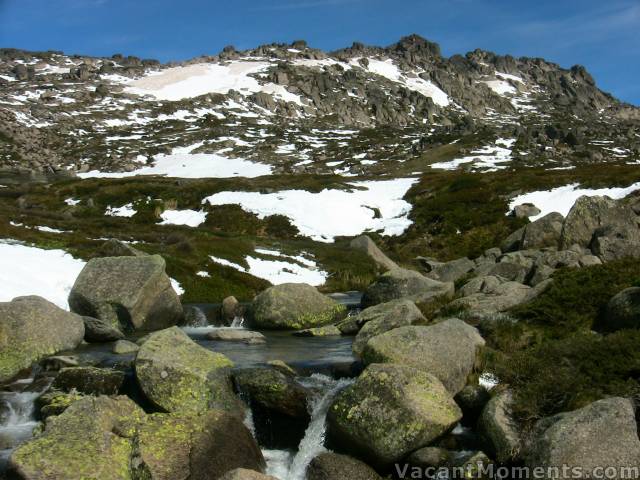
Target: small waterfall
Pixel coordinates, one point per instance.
(17, 418)
(195, 317)
(238, 322)
(288, 466)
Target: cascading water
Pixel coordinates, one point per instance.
(238, 322)
(287, 465)
(17, 417)
(195, 317)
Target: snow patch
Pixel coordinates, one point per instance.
(190, 218)
(490, 157)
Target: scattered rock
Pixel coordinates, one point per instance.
(294, 306)
(237, 335)
(125, 347)
(332, 466)
(449, 350)
(382, 318)
(89, 380)
(390, 411)
(178, 375)
(32, 328)
(130, 293)
(99, 331)
(602, 434)
(450, 271)
(409, 284)
(487, 295)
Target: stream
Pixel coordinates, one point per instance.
(325, 365)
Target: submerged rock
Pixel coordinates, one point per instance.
(129, 293)
(178, 375)
(232, 335)
(294, 306)
(326, 331)
(408, 284)
(390, 411)
(32, 328)
(449, 350)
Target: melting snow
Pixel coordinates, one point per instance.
(123, 211)
(491, 157)
(561, 199)
(369, 206)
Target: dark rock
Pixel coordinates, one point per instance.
(622, 311)
(332, 466)
(89, 380)
(99, 331)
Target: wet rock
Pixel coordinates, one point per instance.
(244, 474)
(332, 466)
(294, 306)
(89, 380)
(130, 293)
(33, 328)
(326, 331)
(390, 411)
(429, 457)
(449, 350)
(603, 433)
(472, 400)
(58, 362)
(178, 375)
(231, 309)
(233, 335)
(408, 284)
(382, 318)
(99, 331)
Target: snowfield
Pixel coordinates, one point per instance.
(561, 199)
(33, 271)
(330, 213)
(192, 81)
(181, 163)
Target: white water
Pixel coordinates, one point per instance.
(238, 322)
(18, 420)
(287, 465)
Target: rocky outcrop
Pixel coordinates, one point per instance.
(390, 411)
(129, 293)
(623, 311)
(449, 350)
(333, 466)
(294, 306)
(407, 284)
(32, 328)
(382, 318)
(178, 375)
(368, 246)
(602, 434)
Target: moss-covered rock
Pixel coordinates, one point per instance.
(400, 283)
(133, 293)
(195, 447)
(384, 317)
(390, 411)
(332, 466)
(177, 375)
(54, 402)
(294, 306)
(32, 328)
(449, 350)
(89, 380)
(244, 474)
(93, 438)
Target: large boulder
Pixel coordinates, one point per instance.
(32, 328)
(449, 350)
(368, 246)
(196, 447)
(130, 293)
(273, 390)
(89, 380)
(588, 214)
(99, 331)
(489, 294)
(449, 271)
(390, 411)
(544, 232)
(614, 242)
(408, 284)
(499, 430)
(382, 318)
(602, 434)
(525, 210)
(623, 311)
(178, 375)
(294, 306)
(332, 466)
(93, 438)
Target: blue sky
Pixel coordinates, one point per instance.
(603, 36)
